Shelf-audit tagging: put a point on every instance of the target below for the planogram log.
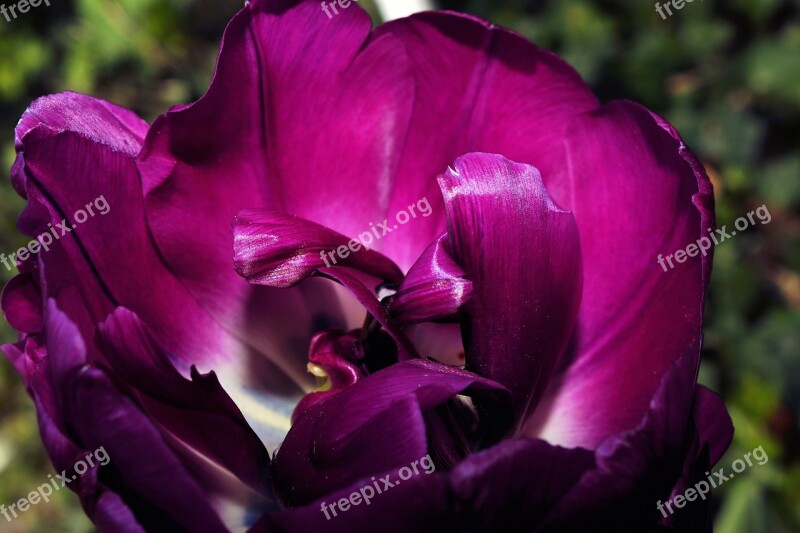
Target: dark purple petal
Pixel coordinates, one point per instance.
(22, 303)
(422, 504)
(714, 425)
(479, 88)
(371, 426)
(110, 513)
(712, 435)
(280, 250)
(636, 193)
(198, 412)
(637, 468)
(148, 469)
(510, 487)
(522, 254)
(80, 411)
(435, 287)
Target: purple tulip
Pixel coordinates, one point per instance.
(511, 337)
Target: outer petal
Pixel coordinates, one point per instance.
(521, 252)
(480, 88)
(111, 260)
(509, 487)
(638, 468)
(636, 193)
(80, 411)
(21, 303)
(149, 470)
(95, 137)
(95, 120)
(198, 413)
(714, 425)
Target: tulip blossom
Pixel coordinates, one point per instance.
(519, 338)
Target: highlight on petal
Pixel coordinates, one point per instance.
(522, 254)
(280, 250)
(435, 288)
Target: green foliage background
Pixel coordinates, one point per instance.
(726, 73)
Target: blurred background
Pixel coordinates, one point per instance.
(726, 73)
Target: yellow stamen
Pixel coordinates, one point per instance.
(323, 381)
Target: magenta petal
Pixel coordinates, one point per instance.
(371, 426)
(636, 192)
(435, 287)
(98, 121)
(479, 88)
(93, 263)
(246, 144)
(100, 141)
(280, 250)
(522, 253)
(637, 468)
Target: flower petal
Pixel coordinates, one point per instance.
(280, 250)
(273, 85)
(521, 252)
(198, 412)
(714, 424)
(479, 88)
(637, 468)
(96, 138)
(81, 410)
(93, 260)
(147, 468)
(371, 426)
(509, 487)
(435, 287)
(636, 193)
(22, 303)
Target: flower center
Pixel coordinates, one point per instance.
(339, 359)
